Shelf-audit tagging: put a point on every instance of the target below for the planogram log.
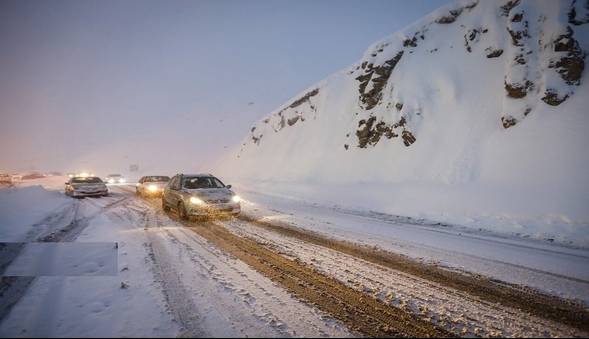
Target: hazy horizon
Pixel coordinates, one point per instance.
(100, 85)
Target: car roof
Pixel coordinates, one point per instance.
(198, 175)
(155, 176)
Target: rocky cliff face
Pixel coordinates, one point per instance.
(535, 42)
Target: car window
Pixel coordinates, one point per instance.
(174, 183)
(202, 182)
(86, 180)
(156, 179)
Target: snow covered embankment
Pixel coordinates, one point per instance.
(22, 207)
(474, 115)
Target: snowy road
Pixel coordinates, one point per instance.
(259, 276)
(171, 283)
(549, 267)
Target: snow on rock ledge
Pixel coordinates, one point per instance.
(481, 102)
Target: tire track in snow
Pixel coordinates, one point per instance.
(365, 315)
(241, 305)
(520, 297)
(176, 295)
(457, 311)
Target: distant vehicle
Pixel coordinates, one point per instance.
(33, 175)
(79, 187)
(152, 185)
(199, 195)
(115, 179)
(81, 174)
(5, 179)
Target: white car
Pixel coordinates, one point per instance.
(152, 185)
(79, 187)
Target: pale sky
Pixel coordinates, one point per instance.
(99, 85)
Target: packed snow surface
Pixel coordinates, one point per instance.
(163, 281)
(21, 208)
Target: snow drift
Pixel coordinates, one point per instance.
(21, 207)
(477, 115)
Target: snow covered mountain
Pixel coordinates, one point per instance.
(476, 114)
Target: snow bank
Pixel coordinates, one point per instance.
(22, 207)
(52, 182)
(474, 115)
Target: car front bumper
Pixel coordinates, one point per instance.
(88, 194)
(211, 209)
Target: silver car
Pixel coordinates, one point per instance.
(79, 187)
(199, 195)
(152, 185)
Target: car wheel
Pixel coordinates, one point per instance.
(165, 206)
(182, 212)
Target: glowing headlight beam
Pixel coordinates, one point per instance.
(236, 198)
(152, 188)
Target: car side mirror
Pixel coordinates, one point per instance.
(228, 186)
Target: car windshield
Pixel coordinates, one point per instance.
(86, 180)
(202, 182)
(156, 179)
(114, 175)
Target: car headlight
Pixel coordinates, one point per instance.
(236, 198)
(111, 181)
(152, 188)
(196, 201)
(122, 180)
